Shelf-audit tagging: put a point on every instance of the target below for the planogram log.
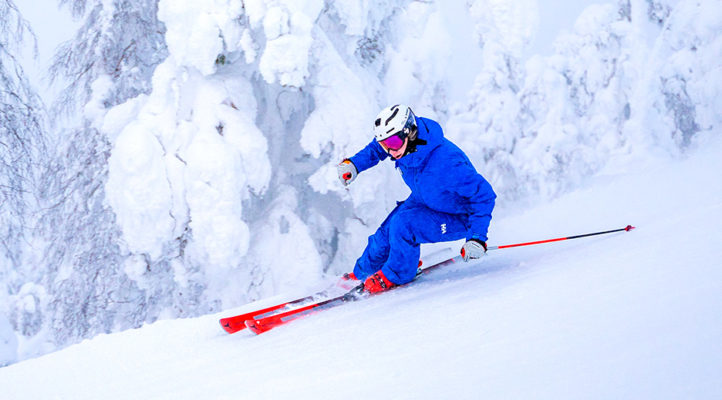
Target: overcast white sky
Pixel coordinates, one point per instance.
(52, 27)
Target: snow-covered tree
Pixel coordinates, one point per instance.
(120, 39)
(678, 96)
(20, 133)
(80, 274)
(543, 126)
(21, 147)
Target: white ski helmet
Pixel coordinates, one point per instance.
(396, 119)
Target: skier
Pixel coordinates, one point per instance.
(449, 199)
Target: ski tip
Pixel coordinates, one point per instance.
(231, 326)
(262, 325)
(629, 228)
(255, 327)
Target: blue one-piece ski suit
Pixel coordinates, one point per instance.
(449, 201)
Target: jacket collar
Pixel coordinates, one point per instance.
(428, 133)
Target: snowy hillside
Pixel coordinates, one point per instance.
(625, 316)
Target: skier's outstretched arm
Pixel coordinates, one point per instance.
(369, 156)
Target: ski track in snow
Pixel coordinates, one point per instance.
(621, 316)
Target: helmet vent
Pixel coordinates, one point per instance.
(396, 111)
(378, 121)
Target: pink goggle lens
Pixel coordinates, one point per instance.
(392, 143)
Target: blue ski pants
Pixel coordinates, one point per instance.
(396, 245)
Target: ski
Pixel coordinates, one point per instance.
(236, 323)
(265, 324)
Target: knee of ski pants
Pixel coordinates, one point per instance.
(404, 226)
(403, 260)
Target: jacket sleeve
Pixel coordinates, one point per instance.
(478, 196)
(368, 156)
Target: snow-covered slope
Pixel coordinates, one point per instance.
(631, 315)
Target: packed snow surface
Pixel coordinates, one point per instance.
(622, 316)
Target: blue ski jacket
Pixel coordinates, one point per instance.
(441, 177)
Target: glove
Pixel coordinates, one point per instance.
(472, 249)
(346, 172)
(377, 283)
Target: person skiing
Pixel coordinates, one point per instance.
(449, 199)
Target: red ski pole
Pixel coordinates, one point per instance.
(627, 229)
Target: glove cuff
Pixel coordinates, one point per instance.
(348, 161)
(481, 242)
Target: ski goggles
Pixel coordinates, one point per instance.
(394, 142)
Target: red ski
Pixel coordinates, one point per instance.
(265, 324)
(236, 323)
